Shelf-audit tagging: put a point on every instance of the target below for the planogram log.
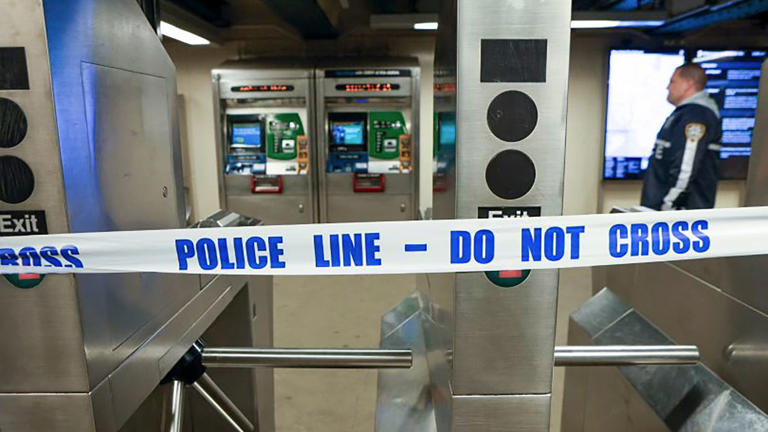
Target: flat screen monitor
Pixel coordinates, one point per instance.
(637, 108)
(246, 134)
(347, 132)
(734, 81)
(637, 105)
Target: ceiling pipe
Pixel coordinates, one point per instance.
(715, 14)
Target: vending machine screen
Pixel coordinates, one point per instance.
(246, 134)
(447, 130)
(347, 142)
(348, 133)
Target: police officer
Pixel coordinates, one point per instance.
(682, 173)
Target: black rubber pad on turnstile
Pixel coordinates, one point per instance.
(13, 123)
(512, 116)
(13, 69)
(16, 180)
(510, 174)
(513, 60)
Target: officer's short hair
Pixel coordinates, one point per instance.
(695, 73)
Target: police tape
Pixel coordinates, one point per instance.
(439, 246)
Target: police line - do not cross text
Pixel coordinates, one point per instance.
(400, 247)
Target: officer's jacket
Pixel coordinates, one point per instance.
(682, 172)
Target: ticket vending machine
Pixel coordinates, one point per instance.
(366, 131)
(264, 139)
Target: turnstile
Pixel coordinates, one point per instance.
(483, 343)
(367, 133)
(90, 142)
(490, 337)
(265, 139)
(718, 304)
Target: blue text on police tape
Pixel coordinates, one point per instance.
(347, 250)
(46, 256)
(550, 243)
(555, 243)
(465, 246)
(659, 239)
(255, 252)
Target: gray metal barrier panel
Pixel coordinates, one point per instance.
(405, 401)
(645, 398)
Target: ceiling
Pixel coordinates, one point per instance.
(331, 19)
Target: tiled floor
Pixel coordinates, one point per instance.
(344, 312)
(334, 312)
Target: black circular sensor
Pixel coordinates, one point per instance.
(16, 180)
(512, 116)
(13, 123)
(510, 174)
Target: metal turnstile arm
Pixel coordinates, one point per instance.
(177, 406)
(222, 404)
(189, 370)
(307, 358)
(626, 355)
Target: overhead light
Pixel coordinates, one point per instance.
(426, 25)
(598, 24)
(418, 21)
(182, 35)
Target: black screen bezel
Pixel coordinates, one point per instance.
(233, 119)
(335, 117)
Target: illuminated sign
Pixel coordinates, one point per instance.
(368, 87)
(445, 87)
(263, 88)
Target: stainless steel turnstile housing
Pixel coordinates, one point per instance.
(89, 103)
(490, 345)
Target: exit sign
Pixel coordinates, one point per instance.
(508, 278)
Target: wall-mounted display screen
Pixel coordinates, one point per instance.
(734, 81)
(246, 134)
(637, 106)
